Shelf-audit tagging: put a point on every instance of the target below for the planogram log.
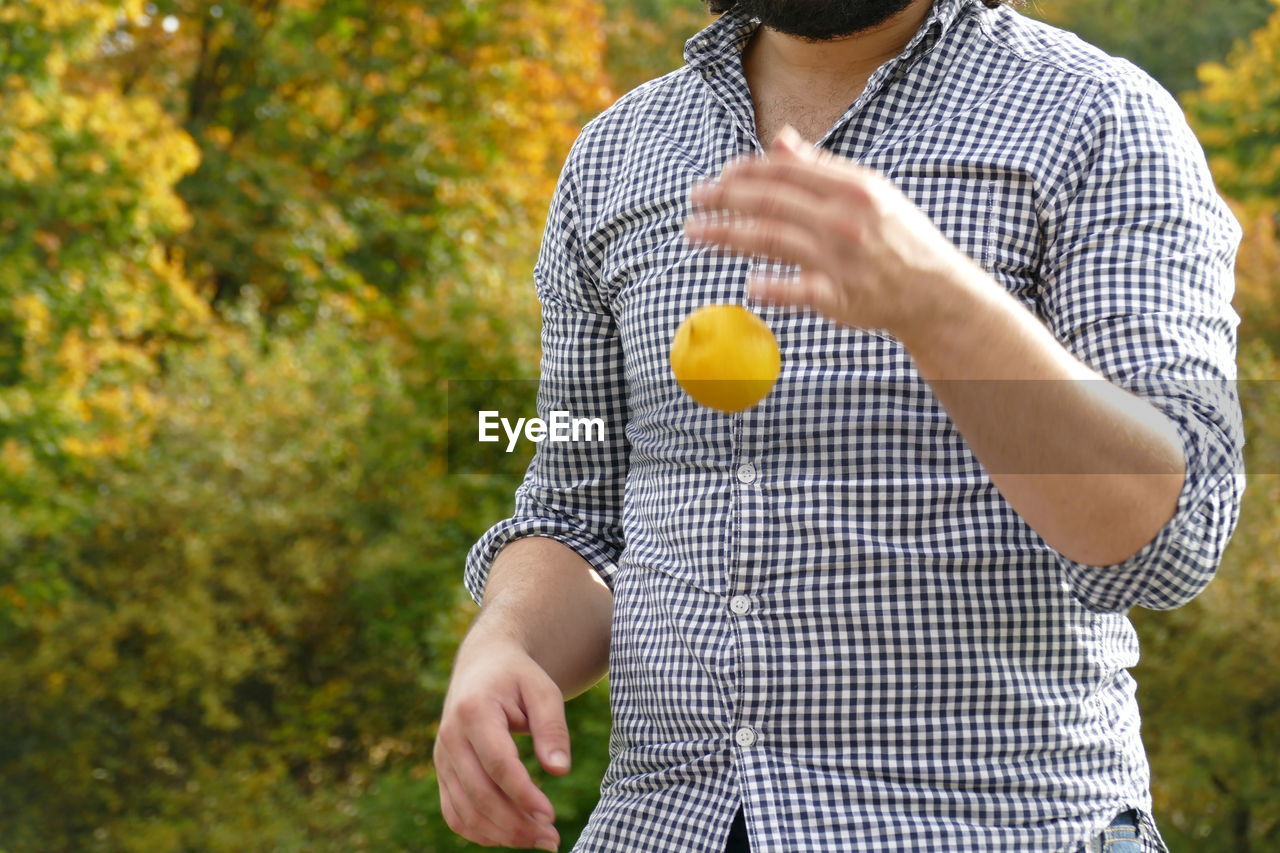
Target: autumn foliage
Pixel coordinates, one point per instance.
(242, 245)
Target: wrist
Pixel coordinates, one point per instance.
(960, 299)
(489, 635)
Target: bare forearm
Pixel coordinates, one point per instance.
(545, 597)
(1093, 469)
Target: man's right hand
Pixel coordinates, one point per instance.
(486, 794)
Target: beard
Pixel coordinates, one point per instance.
(820, 20)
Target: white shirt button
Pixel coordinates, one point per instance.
(740, 605)
(745, 736)
(746, 473)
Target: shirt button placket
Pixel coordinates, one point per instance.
(745, 736)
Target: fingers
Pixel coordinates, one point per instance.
(813, 290)
(486, 793)
(468, 827)
(762, 200)
(484, 808)
(793, 206)
(544, 708)
(783, 241)
(814, 172)
(499, 761)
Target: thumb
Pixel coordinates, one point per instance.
(790, 141)
(544, 708)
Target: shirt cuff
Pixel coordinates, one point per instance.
(1182, 558)
(602, 556)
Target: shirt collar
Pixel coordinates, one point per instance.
(724, 38)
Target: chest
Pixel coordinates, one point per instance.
(812, 114)
(972, 181)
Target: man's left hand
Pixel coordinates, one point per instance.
(868, 257)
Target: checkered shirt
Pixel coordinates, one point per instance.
(824, 611)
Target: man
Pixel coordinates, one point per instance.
(885, 608)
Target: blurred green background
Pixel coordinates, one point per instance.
(243, 244)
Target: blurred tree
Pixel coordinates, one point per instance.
(1167, 38)
(360, 145)
(90, 290)
(261, 618)
(1236, 113)
(1258, 280)
(228, 623)
(645, 38)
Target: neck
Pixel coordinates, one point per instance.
(851, 57)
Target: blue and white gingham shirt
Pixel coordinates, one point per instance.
(823, 609)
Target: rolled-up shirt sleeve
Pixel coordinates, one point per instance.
(1137, 283)
(572, 490)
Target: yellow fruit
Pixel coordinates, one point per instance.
(725, 357)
